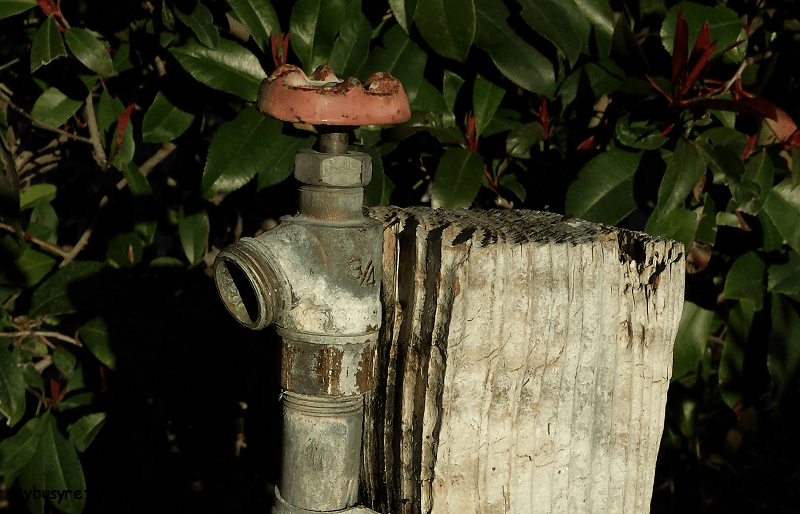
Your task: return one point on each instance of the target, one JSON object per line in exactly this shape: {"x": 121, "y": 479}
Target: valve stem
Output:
{"x": 333, "y": 142}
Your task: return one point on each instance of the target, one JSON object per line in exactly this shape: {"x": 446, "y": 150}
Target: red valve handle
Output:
{"x": 323, "y": 99}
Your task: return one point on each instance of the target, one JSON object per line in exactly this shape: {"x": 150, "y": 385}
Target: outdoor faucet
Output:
{"x": 317, "y": 277}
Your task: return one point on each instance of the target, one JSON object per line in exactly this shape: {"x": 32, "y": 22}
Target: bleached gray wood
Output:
{"x": 523, "y": 365}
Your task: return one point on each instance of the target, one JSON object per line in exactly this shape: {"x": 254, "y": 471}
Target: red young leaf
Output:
{"x": 704, "y": 39}
{"x": 122, "y": 123}
{"x": 680, "y": 47}
{"x": 545, "y": 117}
{"x": 279, "y": 44}
{"x": 49, "y": 7}
{"x": 751, "y": 141}
{"x": 587, "y": 144}
{"x": 55, "y": 389}
{"x": 752, "y": 106}
{"x": 697, "y": 69}
{"x": 472, "y": 136}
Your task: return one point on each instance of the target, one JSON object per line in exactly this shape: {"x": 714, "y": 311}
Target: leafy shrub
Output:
{"x": 131, "y": 153}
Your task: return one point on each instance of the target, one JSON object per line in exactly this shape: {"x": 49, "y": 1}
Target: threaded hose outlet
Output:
{"x": 247, "y": 284}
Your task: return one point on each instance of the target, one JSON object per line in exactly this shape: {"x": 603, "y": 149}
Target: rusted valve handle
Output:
{"x": 323, "y": 99}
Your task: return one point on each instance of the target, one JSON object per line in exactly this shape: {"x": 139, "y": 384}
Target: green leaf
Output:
{"x": 431, "y": 100}
{"x": 601, "y": 17}
{"x": 12, "y": 384}
{"x": 486, "y": 98}
{"x": 521, "y": 139}
{"x": 745, "y": 280}
{"x": 58, "y": 294}
{"x": 639, "y": 134}
{"x": 589, "y": 82}
{"x": 83, "y": 431}
{"x": 504, "y": 120}
{"x": 230, "y": 67}
{"x": 435, "y": 124}
{"x": 707, "y": 224}
{"x": 782, "y": 207}
{"x": 731, "y": 366}
{"x": 682, "y": 174}
{"x": 32, "y": 378}
{"x": 125, "y": 250}
{"x": 64, "y": 360}
{"x": 193, "y": 231}
{"x": 28, "y": 269}
{"x": 17, "y": 450}
{"x": 562, "y": 23}
{"x": 238, "y": 153}
{"x": 511, "y": 183}
{"x": 143, "y": 207}
{"x": 164, "y": 122}
{"x": 11, "y": 7}
{"x": 379, "y": 190}
{"x": 107, "y": 111}
{"x": 457, "y": 179}
{"x": 785, "y": 278}
{"x": 760, "y": 171}
{"x": 47, "y": 44}
{"x": 36, "y": 195}
{"x": 448, "y": 26}
{"x": 400, "y": 57}
{"x": 89, "y": 50}
{"x": 693, "y": 333}
{"x": 44, "y": 222}
{"x": 403, "y": 11}
{"x": 352, "y": 46}
{"x": 516, "y": 59}
{"x": 32, "y": 473}
{"x": 201, "y": 21}
{"x": 122, "y": 59}
{"x": 603, "y": 191}
{"x": 783, "y": 359}
{"x": 313, "y": 25}
{"x": 128, "y": 148}
{"x": 679, "y": 224}
{"x": 451, "y": 85}
{"x": 723, "y": 23}
{"x": 54, "y": 107}
{"x": 94, "y": 336}
{"x": 62, "y": 468}
{"x": 259, "y": 17}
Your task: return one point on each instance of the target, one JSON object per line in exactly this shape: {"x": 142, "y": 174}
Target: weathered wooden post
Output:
{"x": 523, "y": 363}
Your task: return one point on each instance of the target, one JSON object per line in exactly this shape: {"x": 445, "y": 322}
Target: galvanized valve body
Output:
{"x": 317, "y": 277}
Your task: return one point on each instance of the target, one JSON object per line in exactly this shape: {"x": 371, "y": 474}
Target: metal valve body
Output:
{"x": 317, "y": 277}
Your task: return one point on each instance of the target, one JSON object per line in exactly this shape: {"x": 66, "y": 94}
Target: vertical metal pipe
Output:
{"x": 321, "y": 449}
{"x": 333, "y": 142}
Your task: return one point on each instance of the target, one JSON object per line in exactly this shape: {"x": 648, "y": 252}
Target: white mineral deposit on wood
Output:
{"x": 524, "y": 364}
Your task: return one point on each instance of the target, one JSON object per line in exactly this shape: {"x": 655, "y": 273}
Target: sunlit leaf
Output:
{"x": 457, "y": 179}
{"x": 89, "y": 50}
{"x": 83, "y": 431}
{"x": 603, "y": 191}
{"x": 313, "y": 25}
{"x": 12, "y": 7}
{"x": 238, "y": 153}
{"x": 448, "y": 26}
{"x": 54, "y": 107}
{"x": 486, "y": 98}
{"x": 399, "y": 56}
{"x": 36, "y": 194}
{"x": 164, "y": 122}
{"x": 47, "y": 44}
{"x": 352, "y": 46}
{"x": 12, "y": 384}
{"x": 745, "y": 280}
{"x": 259, "y": 17}
{"x": 201, "y": 21}
{"x": 94, "y": 335}
{"x": 782, "y": 206}
{"x": 230, "y": 67}
{"x": 562, "y": 23}
{"x": 193, "y": 231}
{"x": 514, "y": 57}
{"x": 403, "y": 11}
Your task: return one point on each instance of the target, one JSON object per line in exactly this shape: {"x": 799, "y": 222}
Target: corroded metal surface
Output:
{"x": 288, "y": 94}
{"x": 337, "y": 366}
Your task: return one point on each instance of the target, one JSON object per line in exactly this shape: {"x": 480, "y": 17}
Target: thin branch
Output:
{"x": 155, "y": 160}
{"x": 147, "y": 167}
{"x": 42, "y": 124}
{"x": 35, "y": 240}
{"x": 12, "y": 62}
{"x": 94, "y": 132}
{"x": 744, "y": 64}
{"x": 41, "y": 333}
